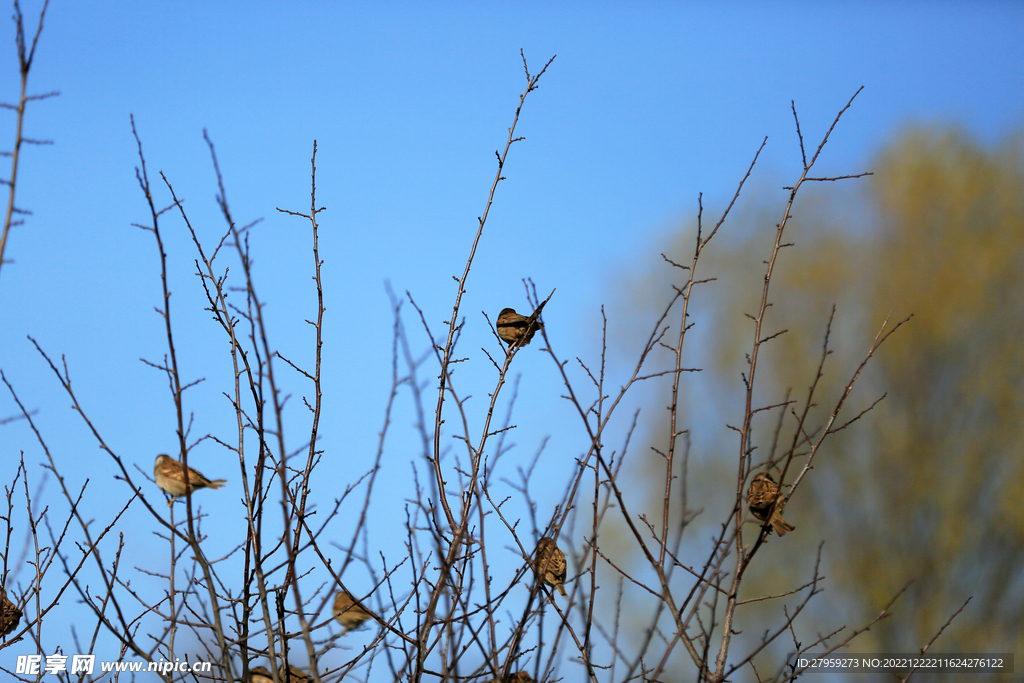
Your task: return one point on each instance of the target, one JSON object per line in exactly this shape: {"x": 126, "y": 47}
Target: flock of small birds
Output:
{"x": 765, "y": 501}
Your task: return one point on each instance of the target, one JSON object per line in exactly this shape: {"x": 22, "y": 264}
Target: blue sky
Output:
{"x": 645, "y": 106}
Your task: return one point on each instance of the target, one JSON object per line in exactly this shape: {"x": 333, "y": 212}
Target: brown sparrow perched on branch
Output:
{"x": 767, "y": 503}
{"x": 549, "y": 564}
{"x": 347, "y": 612}
{"x": 10, "y": 615}
{"x": 170, "y": 477}
{"x": 261, "y": 674}
{"x": 518, "y": 677}
{"x": 515, "y": 328}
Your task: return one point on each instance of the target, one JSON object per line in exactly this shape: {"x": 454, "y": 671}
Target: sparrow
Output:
{"x": 261, "y": 674}
{"x": 549, "y": 564}
{"x": 518, "y": 677}
{"x": 514, "y": 328}
{"x": 347, "y": 612}
{"x": 767, "y": 503}
{"x": 170, "y": 477}
{"x": 10, "y": 615}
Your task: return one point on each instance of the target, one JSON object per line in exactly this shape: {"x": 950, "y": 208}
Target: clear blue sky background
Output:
{"x": 647, "y": 105}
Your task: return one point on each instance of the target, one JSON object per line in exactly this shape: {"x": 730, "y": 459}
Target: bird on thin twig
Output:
{"x": 10, "y": 615}
{"x": 518, "y": 329}
{"x": 261, "y": 674}
{"x": 518, "y": 677}
{"x": 347, "y": 612}
{"x": 170, "y": 477}
{"x": 549, "y": 564}
{"x": 767, "y": 503}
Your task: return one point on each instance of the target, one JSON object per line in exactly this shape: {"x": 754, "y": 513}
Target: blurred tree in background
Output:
{"x": 945, "y": 458}
{"x": 930, "y": 485}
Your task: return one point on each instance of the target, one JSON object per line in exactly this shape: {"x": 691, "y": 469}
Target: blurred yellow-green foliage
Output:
{"x": 928, "y": 486}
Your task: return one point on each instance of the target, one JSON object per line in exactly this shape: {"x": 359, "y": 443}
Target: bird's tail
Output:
{"x": 531, "y": 322}
{"x": 781, "y": 526}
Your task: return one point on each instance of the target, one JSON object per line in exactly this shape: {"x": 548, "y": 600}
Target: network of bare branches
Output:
{"x": 478, "y": 594}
